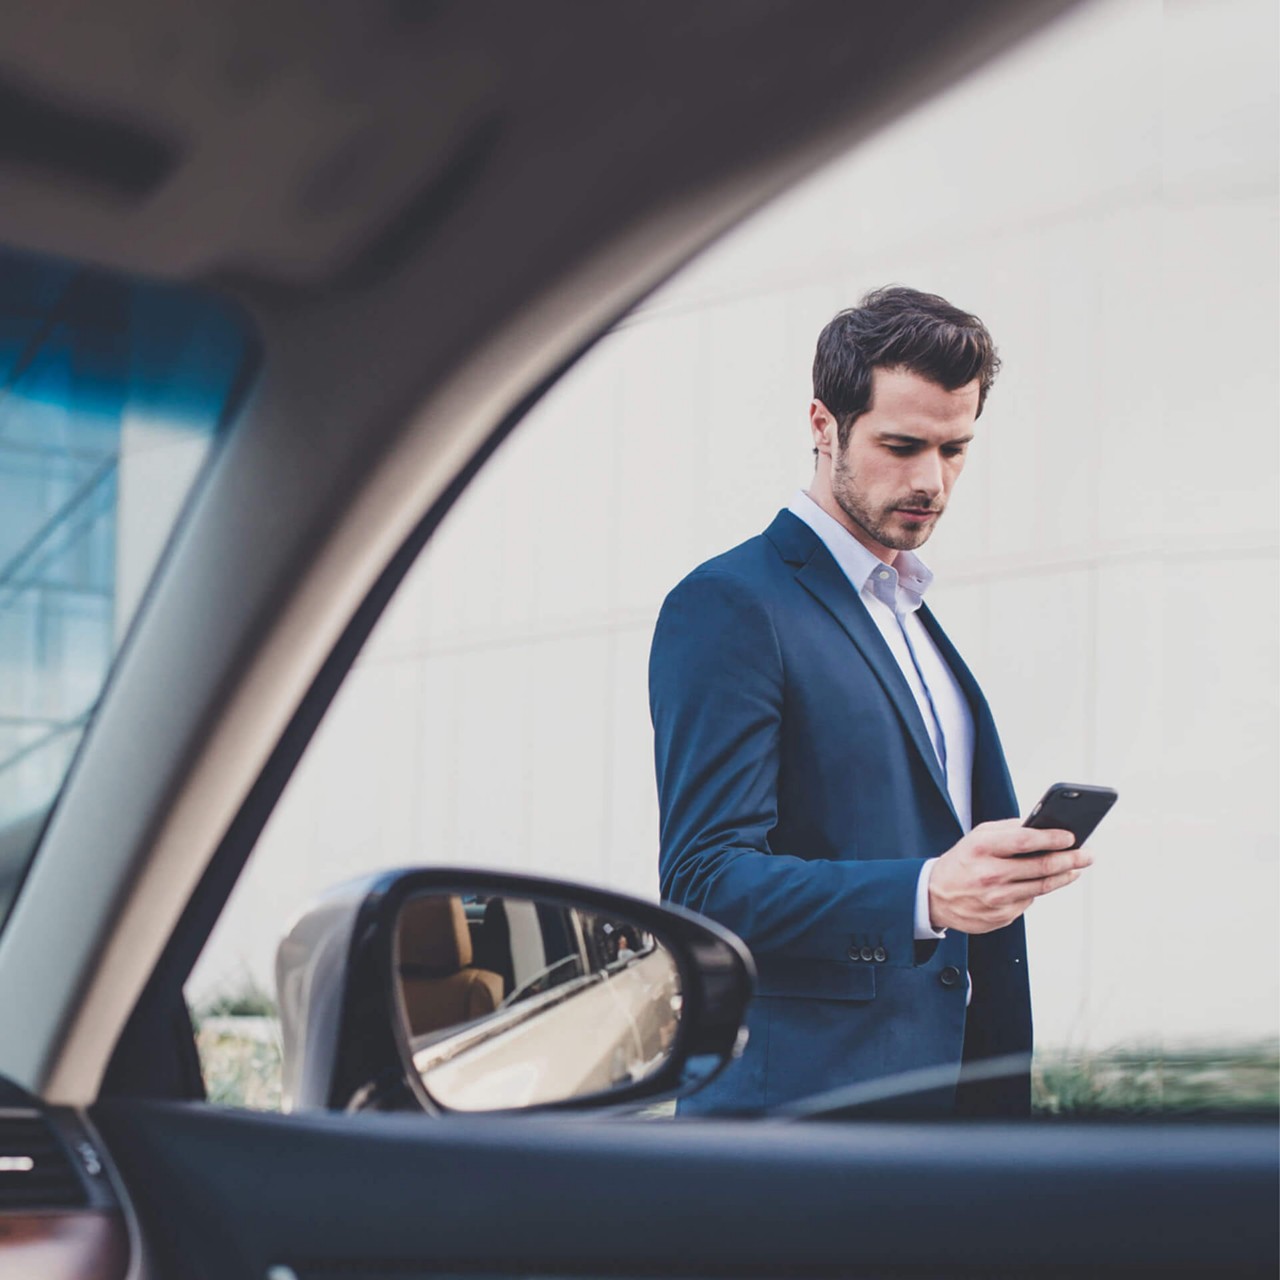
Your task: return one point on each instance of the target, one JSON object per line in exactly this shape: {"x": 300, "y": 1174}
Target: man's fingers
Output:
{"x": 1049, "y": 864}
{"x": 1032, "y": 840}
{"x": 1010, "y": 840}
{"x": 1050, "y": 883}
{"x": 1022, "y": 893}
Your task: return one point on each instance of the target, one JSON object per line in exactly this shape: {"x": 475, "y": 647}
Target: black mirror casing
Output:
{"x": 372, "y": 1062}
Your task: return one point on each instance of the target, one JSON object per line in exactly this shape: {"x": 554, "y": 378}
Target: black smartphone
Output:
{"x": 1074, "y": 807}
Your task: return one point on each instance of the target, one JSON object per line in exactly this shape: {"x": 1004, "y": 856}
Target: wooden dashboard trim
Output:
{"x": 66, "y": 1245}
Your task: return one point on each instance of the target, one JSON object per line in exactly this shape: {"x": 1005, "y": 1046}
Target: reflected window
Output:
{"x": 111, "y": 393}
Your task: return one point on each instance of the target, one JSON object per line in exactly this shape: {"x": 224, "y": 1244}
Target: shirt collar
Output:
{"x": 909, "y": 573}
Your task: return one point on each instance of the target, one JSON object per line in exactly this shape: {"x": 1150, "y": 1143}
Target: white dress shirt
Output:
{"x": 893, "y": 595}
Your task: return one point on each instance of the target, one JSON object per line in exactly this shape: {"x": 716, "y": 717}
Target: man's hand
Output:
{"x": 980, "y": 884}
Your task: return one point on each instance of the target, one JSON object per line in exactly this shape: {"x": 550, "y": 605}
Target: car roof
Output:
{"x": 427, "y": 211}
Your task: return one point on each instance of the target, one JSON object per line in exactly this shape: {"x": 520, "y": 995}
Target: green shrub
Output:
{"x": 241, "y": 1070}
{"x": 241, "y": 1064}
{"x": 247, "y": 999}
{"x": 1145, "y": 1081}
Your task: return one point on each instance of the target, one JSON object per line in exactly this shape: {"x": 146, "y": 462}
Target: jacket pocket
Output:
{"x": 794, "y": 979}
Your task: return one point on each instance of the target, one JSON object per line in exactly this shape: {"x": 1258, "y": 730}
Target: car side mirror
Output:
{"x": 479, "y": 991}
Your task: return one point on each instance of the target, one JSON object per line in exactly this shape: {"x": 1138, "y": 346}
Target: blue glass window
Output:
{"x": 111, "y": 393}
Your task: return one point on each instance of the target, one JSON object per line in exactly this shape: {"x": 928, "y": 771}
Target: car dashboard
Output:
{"x": 62, "y": 1212}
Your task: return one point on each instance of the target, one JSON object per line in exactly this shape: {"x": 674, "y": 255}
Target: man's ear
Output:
{"x": 823, "y": 425}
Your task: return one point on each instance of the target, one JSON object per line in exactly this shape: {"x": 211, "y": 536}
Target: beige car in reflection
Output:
{"x": 539, "y": 1002}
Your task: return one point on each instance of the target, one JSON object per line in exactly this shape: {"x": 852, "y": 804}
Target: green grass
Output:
{"x": 238, "y": 1040}
{"x": 242, "y": 1068}
{"x": 1154, "y": 1082}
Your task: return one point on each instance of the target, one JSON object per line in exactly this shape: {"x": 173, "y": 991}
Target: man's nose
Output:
{"x": 926, "y": 475}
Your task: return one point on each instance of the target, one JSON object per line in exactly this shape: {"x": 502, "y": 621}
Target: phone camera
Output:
{"x": 1071, "y": 795}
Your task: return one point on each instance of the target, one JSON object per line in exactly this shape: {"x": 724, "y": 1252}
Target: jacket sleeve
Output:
{"x": 717, "y": 692}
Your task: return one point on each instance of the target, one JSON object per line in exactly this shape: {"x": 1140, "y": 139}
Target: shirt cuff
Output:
{"x": 924, "y": 930}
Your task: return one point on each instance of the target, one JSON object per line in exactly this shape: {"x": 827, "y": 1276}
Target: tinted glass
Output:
{"x": 111, "y": 393}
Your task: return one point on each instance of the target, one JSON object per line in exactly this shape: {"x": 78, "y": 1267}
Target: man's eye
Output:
{"x": 954, "y": 452}
{"x": 901, "y": 450}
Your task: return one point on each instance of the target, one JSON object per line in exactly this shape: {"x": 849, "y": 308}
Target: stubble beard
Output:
{"x": 876, "y": 523}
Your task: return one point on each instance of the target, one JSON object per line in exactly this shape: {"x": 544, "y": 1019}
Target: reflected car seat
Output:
{"x": 440, "y": 987}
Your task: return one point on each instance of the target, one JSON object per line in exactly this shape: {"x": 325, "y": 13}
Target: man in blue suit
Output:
{"x": 830, "y": 780}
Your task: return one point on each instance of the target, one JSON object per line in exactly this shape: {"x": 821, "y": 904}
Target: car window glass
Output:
{"x": 1107, "y": 567}
{"x": 112, "y": 391}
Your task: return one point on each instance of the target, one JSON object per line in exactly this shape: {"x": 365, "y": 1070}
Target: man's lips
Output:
{"x": 918, "y": 514}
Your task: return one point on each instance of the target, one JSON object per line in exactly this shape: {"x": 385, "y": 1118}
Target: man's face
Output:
{"x": 892, "y": 481}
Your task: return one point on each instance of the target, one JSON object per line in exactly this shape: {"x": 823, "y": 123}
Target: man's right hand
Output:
{"x": 980, "y": 884}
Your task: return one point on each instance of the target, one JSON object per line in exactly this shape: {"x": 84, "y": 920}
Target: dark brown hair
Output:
{"x": 899, "y": 328}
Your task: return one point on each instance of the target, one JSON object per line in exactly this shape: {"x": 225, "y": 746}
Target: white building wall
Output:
{"x": 1106, "y": 199}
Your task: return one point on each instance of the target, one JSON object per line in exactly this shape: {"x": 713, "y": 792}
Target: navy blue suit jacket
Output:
{"x": 799, "y": 796}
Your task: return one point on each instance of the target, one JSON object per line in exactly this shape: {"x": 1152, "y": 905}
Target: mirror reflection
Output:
{"x": 515, "y": 1002}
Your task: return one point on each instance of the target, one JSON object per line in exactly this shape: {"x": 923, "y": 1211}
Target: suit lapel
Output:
{"x": 818, "y": 573}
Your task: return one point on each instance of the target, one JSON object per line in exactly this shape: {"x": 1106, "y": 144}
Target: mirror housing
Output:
{"x": 345, "y": 1038}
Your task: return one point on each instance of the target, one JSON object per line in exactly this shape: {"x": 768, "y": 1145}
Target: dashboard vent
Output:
{"x": 35, "y": 1169}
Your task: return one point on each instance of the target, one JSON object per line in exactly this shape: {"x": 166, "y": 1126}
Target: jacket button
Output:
{"x": 854, "y": 953}
{"x": 881, "y": 955}
{"x": 949, "y": 976}
{"x": 868, "y": 954}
